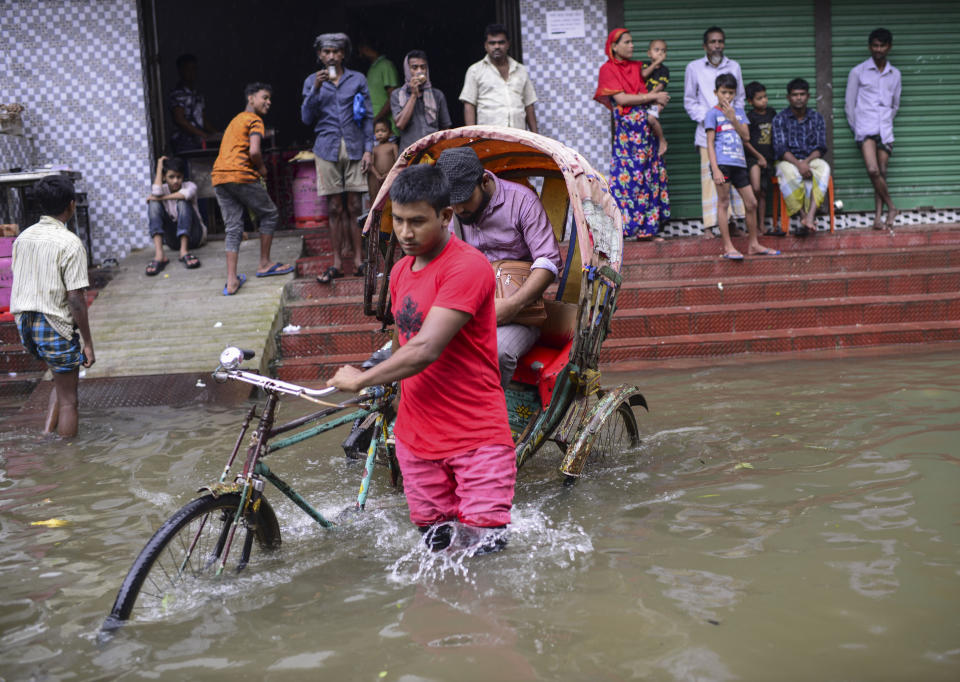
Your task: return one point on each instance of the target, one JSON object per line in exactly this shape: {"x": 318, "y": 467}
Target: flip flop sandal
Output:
{"x": 226, "y": 287}
{"x": 154, "y": 267}
{"x": 276, "y": 269}
{"x": 733, "y": 256}
{"x": 329, "y": 275}
{"x": 190, "y": 261}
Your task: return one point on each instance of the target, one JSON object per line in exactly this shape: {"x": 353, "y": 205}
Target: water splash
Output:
{"x": 536, "y": 545}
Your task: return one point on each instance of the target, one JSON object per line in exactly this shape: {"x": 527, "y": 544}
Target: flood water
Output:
{"x": 787, "y": 521}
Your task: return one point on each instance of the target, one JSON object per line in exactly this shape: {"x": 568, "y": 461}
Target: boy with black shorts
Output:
{"x": 726, "y": 130}
{"x": 760, "y": 148}
{"x": 49, "y": 301}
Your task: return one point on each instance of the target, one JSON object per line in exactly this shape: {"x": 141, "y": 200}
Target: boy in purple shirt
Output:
{"x": 726, "y": 130}
{"x": 871, "y": 103}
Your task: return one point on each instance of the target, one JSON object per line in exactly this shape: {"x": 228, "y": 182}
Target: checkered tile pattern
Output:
{"x": 76, "y": 66}
{"x": 564, "y": 73}
{"x": 842, "y": 221}
{"x": 16, "y": 151}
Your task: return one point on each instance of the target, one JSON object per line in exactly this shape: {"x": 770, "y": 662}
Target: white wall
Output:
{"x": 76, "y": 66}
{"x": 564, "y": 72}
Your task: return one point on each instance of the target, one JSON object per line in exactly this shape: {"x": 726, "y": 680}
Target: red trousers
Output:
{"x": 474, "y": 487}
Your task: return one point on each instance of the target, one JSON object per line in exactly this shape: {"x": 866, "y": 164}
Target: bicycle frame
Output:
{"x": 249, "y": 482}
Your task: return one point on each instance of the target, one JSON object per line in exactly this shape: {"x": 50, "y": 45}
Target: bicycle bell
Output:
{"x": 231, "y": 357}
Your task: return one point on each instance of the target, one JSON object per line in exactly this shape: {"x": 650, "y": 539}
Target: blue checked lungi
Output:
{"x": 44, "y": 342}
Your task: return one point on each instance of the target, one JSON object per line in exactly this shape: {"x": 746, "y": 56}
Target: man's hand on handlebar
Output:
{"x": 347, "y": 379}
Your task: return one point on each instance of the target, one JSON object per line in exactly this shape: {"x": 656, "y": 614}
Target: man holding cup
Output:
{"x": 336, "y": 103}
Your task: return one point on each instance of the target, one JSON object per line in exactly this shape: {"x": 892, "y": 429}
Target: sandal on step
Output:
{"x": 329, "y": 275}
{"x": 190, "y": 261}
{"x": 155, "y": 266}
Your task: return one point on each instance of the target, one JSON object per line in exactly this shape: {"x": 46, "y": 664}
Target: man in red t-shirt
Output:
{"x": 452, "y": 435}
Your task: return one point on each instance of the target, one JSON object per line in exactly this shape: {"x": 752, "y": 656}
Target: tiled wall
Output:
{"x": 76, "y": 66}
{"x": 564, "y": 72}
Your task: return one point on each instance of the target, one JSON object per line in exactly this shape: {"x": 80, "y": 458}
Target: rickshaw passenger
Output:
{"x": 442, "y": 294}
{"x": 504, "y": 220}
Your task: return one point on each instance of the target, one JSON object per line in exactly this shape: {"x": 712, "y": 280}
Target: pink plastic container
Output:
{"x": 309, "y": 210}
{"x": 6, "y": 246}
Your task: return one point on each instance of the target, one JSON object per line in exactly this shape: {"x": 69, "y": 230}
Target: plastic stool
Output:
{"x": 780, "y": 206}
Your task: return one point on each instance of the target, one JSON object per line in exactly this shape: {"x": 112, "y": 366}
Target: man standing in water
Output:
{"x": 49, "y": 299}
{"x": 445, "y": 353}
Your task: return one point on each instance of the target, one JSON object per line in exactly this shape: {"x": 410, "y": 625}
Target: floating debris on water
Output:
{"x": 50, "y": 523}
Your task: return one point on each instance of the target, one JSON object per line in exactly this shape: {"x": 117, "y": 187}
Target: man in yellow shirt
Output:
{"x": 49, "y": 302}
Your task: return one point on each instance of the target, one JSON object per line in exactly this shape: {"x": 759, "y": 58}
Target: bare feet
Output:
{"x": 891, "y": 217}
{"x": 708, "y": 233}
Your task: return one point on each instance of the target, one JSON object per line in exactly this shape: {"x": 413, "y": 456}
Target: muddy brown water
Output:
{"x": 792, "y": 521}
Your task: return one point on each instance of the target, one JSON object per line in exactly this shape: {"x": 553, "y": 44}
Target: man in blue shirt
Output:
{"x": 799, "y": 145}
{"x": 336, "y": 103}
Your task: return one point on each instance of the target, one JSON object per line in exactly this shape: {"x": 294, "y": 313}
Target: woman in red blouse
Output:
{"x": 638, "y": 178}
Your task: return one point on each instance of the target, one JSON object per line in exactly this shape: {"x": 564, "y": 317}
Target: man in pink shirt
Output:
{"x": 504, "y": 220}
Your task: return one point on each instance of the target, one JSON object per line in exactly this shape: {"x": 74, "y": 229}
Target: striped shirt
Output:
{"x": 48, "y": 261}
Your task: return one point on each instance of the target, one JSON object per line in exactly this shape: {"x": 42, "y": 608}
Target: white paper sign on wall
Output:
{"x": 566, "y": 23}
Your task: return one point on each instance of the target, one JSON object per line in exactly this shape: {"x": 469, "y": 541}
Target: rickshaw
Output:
{"x": 555, "y": 394}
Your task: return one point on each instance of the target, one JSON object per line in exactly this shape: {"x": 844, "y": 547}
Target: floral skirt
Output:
{"x": 638, "y": 177}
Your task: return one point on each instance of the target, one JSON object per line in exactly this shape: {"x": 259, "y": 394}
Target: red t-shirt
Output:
{"x": 456, "y": 404}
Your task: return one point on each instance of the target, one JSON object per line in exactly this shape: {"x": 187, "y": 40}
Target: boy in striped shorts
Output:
{"x": 48, "y": 299}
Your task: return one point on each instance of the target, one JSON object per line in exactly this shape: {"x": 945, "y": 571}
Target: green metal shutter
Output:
{"x": 925, "y": 166}
{"x": 772, "y": 44}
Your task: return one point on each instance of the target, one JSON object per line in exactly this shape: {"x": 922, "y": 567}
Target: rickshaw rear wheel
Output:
{"x": 607, "y": 432}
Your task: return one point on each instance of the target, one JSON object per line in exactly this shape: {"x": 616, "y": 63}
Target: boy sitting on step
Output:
{"x": 173, "y": 216}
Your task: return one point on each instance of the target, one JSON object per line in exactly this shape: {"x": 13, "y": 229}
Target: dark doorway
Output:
{"x": 273, "y": 42}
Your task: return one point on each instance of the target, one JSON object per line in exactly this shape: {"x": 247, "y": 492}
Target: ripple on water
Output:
{"x": 674, "y": 562}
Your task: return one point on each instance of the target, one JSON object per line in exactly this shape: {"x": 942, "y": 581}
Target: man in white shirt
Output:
{"x": 497, "y": 89}
{"x": 699, "y": 86}
{"x": 871, "y": 103}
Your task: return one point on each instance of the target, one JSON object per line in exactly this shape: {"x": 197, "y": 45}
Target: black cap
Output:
{"x": 463, "y": 170}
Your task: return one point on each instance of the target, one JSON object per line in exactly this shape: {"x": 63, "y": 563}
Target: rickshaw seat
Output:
{"x": 541, "y": 365}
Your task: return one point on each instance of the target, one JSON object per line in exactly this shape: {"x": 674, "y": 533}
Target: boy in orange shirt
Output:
{"x": 236, "y": 177}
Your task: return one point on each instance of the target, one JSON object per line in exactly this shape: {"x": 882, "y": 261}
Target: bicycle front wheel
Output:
{"x": 189, "y": 548}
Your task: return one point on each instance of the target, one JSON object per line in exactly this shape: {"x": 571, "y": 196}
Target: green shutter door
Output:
{"x": 772, "y": 44}
{"x": 925, "y": 166}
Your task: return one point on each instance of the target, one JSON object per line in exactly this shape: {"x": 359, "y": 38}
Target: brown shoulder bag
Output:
{"x": 510, "y": 276}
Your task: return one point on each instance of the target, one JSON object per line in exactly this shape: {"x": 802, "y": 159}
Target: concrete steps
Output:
{"x": 620, "y": 354}
{"x": 680, "y": 299}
